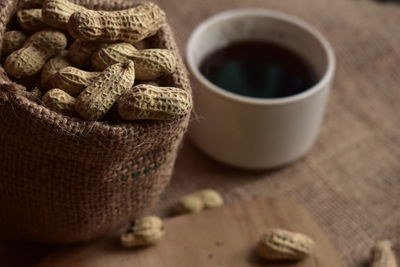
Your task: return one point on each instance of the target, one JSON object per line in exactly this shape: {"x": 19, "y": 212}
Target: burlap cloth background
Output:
{"x": 351, "y": 179}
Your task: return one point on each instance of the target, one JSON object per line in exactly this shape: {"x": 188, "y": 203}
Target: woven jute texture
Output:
{"x": 350, "y": 180}
{"x": 63, "y": 179}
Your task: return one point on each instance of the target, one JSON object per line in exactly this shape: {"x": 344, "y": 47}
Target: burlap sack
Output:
{"x": 65, "y": 180}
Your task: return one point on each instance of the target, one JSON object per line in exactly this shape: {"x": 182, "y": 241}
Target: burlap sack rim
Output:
{"x": 74, "y": 125}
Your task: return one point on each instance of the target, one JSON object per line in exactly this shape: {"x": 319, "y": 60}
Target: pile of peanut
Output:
{"x": 81, "y": 62}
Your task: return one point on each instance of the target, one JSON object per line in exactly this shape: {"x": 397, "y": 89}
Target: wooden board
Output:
{"x": 223, "y": 237}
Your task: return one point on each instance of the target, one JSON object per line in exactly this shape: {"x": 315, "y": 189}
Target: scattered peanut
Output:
{"x": 73, "y": 80}
{"x": 30, "y": 59}
{"x": 31, "y": 20}
{"x": 199, "y": 200}
{"x": 144, "y": 232}
{"x": 13, "y": 40}
{"x": 51, "y": 68}
{"x": 150, "y": 102}
{"x": 279, "y": 244}
{"x": 59, "y": 101}
{"x": 100, "y": 95}
{"x": 189, "y": 204}
{"x": 149, "y": 63}
{"x": 211, "y": 198}
{"x": 130, "y": 25}
{"x": 56, "y": 13}
{"x": 383, "y": 255}
{"x": 81, "y": 51}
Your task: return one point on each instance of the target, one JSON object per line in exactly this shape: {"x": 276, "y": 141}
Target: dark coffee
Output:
{"x": 258, "y": 69}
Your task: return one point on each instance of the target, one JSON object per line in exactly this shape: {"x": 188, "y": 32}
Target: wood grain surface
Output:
{"x": 220, "y": 237}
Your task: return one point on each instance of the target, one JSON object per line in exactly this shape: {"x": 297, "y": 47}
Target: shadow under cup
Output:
{"x": 258, "y": 133}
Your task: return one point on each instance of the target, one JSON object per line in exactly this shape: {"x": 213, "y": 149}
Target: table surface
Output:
{"x": 218, "y": 243}
{"x": 350, "y": 181}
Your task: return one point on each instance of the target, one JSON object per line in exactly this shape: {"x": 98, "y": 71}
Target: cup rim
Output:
{"x": 226, "y": 15}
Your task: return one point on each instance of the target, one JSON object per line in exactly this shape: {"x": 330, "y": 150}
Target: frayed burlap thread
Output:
{"x": 67, "y": 180}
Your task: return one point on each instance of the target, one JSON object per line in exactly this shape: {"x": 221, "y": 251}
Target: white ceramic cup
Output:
{"x": 258, "y": 133}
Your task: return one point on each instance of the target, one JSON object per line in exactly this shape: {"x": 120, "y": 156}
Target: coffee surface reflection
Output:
{"x": 258, "y": 69}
